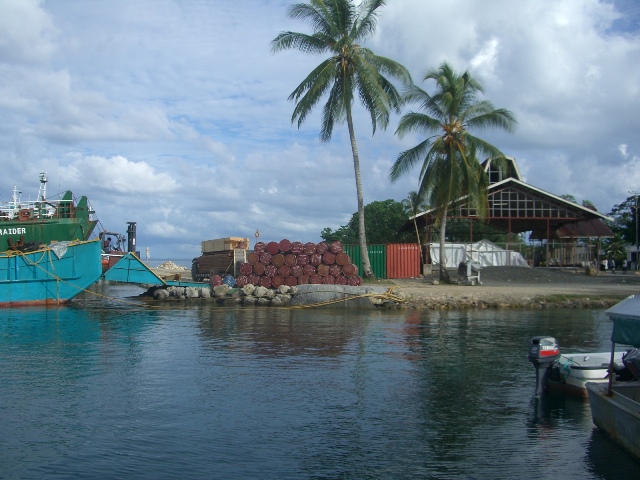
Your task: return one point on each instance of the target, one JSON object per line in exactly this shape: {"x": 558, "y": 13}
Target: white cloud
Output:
{"x": 176, "y": 115}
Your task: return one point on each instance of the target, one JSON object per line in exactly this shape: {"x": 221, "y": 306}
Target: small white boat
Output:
{"x": 615, "y": 406}
{"x": 571, "y": 372}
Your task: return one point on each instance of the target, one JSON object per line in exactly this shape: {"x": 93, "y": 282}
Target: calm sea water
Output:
{"x": 113, "y": 390}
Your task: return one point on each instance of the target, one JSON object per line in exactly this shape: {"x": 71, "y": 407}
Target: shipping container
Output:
{"x": 403, "y": 260}
{"x": 377, "y": 258}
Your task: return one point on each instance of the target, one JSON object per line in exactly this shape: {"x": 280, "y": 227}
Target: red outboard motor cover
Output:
{"x": 543, "y": 350}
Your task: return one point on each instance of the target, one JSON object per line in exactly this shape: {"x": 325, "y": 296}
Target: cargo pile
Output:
{"x": 221, "y": 256}
{"x": 273, "y": 264}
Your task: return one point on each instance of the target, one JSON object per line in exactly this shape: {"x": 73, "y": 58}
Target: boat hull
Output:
{"x": 571, "y": 372}
{"x": 617, "y": 415}
{"x": 49, "y": 276}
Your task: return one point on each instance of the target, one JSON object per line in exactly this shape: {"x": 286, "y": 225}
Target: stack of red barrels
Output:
{"x": 294, "y": 263}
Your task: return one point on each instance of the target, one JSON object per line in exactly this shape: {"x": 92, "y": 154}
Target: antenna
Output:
{"x": 42, "y": 193}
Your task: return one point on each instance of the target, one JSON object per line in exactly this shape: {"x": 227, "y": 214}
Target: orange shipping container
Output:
{"x": 403, "y": 260}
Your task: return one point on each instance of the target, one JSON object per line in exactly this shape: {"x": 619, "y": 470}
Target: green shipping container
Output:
{"x": 377, "y": 258}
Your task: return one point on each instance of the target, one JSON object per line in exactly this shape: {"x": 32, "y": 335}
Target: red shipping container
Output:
{"x": 403, "y": 260}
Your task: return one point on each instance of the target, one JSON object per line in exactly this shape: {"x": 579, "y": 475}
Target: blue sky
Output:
{"x": 174, "y": 114}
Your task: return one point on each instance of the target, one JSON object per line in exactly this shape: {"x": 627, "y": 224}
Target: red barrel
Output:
{"x": 302, "y": 260}
{"x": 329, "y": 280}
{"x": 308, "y": 270}
{"x": 242, "y": 280}
{"x": 303, "y": 279}
{"x": 273, "y": 248}
{"x": 355, "y": 281}
{"x": 246, "y": 269}
{"x": 265, "y": 258}
{"x": 290, "y": 259}
{"x": 329, "y": 258}
{"x": 297, "y": 248}
{"x": 270, "y": 270}
{"x": 322, "y": 247}
{"x": 217, "y": 280}
{"x": 277, "y": 281}
{"x": 342, "y": 258}
{"x": 265, "y": 282}
{"x": 323, "y": 269}
{"x": 278, "y": 260}
{"x": 315, "y": 279}
{"x": 259, "y": 247}
{"x": 336, "y": 247}
{"x": 349, "y": 269}
{"x": 284, "y": 246}
{"x": 342, "y": 280}
{"x": 296, "y": 271}
{"x": 309, "y": 248}
{"x": 254, "y": 279}
{"x": 335, "y": 270}
{"x": 284, "y": 271}
{"x": 291, "y": 281}
{"x": 253, "y": 258}
{"x": 315, "y": 259}
{"x": 258, "y": 269}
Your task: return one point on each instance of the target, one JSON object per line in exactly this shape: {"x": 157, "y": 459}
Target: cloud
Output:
{"x": 175, "y": 115}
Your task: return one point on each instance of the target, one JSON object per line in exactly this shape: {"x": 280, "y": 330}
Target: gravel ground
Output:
{"x": 522, "y": 287}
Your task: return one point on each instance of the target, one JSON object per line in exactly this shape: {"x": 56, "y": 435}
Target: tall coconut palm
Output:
{"x": 413, "y": 204}
{"x": 350, "y": 70}
{"x": 450, "y": 166}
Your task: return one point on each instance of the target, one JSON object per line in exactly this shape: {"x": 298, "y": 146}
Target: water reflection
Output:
{"x": 280, "y": 332}
{"x": 184, "y": 391}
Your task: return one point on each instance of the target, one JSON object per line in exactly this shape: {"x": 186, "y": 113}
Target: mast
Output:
{"x": 42, "y": 192}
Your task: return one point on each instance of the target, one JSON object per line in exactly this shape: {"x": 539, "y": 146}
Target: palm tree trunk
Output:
{"x": 444, "y": 274}
{"x": 415, "y": 224}
{"x": 362, "y": 237}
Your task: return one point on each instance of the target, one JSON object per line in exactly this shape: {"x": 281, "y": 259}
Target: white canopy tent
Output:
{"x": 483, "y": 253}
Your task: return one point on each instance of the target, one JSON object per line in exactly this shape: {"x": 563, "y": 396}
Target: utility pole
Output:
{"x": 635, "y": 195}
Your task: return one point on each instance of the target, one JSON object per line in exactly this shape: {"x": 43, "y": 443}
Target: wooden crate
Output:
{"x": 225, "y": 244}
{"x": 221, "y": 263}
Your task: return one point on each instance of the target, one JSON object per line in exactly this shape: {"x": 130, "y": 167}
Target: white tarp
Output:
{"x": 484, "y": 253}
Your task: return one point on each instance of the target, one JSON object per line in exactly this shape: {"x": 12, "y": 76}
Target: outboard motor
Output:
{"x": 542, "y": 353}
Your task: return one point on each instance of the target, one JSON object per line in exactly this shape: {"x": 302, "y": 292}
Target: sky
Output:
{"x": 175, "y": 114}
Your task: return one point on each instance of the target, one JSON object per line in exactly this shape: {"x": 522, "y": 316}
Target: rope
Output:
{"x": 58, "y": 280}
{"x": 388, "y": 295}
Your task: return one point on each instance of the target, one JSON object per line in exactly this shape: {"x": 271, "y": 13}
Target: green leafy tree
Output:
{"x": 384, "y": 221}
{"x": 616, "y": 249}
{"x": 449, "y": 154}
{"x": 625, "y": 223}
{"x": 569, "y": 197}
{"x": 350, "y": 71}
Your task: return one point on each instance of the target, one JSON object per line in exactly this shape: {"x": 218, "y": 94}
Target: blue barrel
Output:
{"x": 229, "y": 280}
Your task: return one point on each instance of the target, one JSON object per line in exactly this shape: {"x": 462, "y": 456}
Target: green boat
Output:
{"x": 26, "y": 225}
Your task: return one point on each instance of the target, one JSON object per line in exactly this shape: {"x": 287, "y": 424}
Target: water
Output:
{"x": 110, "y": 389}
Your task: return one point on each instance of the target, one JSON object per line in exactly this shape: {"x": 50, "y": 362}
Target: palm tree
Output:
{"x": 350, "y": 70}
{"x": 450, "y": 166}
{"x": 413, "y": 204}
